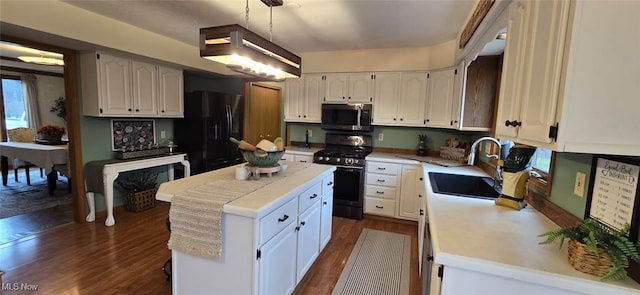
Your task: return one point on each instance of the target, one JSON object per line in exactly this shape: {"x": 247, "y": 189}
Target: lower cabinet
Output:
{"x": 393, "y": 190}
{"x": 298, "y": 157}
{"x": 308, "y": 240}
{"x": 277, "y": 267}
{"x": 266, "y": 255}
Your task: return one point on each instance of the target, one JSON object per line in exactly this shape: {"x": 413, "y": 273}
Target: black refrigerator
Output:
{"x": 210, "y": 118}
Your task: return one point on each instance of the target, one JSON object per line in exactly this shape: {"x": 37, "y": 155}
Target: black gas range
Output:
{"x": 347, "y": 153}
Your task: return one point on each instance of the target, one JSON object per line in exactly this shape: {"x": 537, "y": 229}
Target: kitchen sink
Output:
{"x": 463, "y": 185}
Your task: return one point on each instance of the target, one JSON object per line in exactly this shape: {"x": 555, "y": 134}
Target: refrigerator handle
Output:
{"x": 229, "y": 119}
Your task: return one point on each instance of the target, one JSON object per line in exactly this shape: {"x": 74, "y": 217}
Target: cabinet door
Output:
{"x": 326, "y": 211}
{"x": 547, "y": 26}
{"x": 413, "y": 96}
{"x": 440, "y": 98}
{"x": 145, "y": 89}
{"x": 293, "y": 99}
{"x": 385, "y": 98}
{"x": 509, "y": 103}
{"x": 360, "y": 88}
{"x": 115, "y": 85}
{"x": 336, "y": 88}
{"x": 409, "y": 200}
{"x": 458, "y": 95}
{"x": 313, "y": 96}
{"x": 277, "y": 263}
{"x": 171, "y": 102}
{"x": 308, "y": 240}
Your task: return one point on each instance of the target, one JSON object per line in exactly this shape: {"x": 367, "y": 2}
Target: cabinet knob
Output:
{"x": 302, "y": 223}
{"x": 401, "y": 119}
{"x": 162, "y": 111}
{"x": 349, "y": 97}
{"x": 330, "y": 183}
{"x": 285, "y": 217}
{"x": 129, "y": 110}
{"x": 137, "y": 110}
{"x": 380, "y": 180}
{"x": 324, "y": 203}
{"x": 343, "y": 97}
{"x": 313, "y": 196}
{"x": 394, "y": 119}
{"x": 427, "y": 120}
{"x": 379, "y": 192}
{"x": 379, "y": 207}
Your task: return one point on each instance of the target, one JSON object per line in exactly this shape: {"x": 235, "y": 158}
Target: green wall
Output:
{"x": 393, "y": 137}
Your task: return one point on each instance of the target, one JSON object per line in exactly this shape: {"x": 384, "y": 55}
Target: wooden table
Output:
{"x": 43, "y": 156}
{"x": 110, "y": 169}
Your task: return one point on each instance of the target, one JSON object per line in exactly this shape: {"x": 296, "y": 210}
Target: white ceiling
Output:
{"x": 299, "y": 25}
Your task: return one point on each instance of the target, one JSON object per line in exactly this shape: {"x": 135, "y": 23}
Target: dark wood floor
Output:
{"x": 89, "y": 258}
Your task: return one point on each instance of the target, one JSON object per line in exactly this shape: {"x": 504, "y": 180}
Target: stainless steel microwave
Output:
{"x": 353, "y": 116}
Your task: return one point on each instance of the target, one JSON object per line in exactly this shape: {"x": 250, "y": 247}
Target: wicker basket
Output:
{"x": 583, "y": 259}
{"x": 140, "y": 201}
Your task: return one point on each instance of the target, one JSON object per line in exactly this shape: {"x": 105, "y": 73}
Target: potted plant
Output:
{"x": 59, "y": 108}
{"x": 140, "y": 190}
{"x": 597, "y": 249}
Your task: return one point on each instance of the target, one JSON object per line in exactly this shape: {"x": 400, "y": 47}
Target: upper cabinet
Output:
{"x": 120, "y": 87}
{"x": 303, "y": 98}
{"x": 569, "y": 76}
{"x": 475, "y": 92}
{"x": 440, "y": 98}
{"x": 349, "y": 88}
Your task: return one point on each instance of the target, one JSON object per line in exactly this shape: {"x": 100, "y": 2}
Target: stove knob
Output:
{"x": 357, "y": 161}
{"x": 337, "y": 160}
{"x": 319, "y": 158}
{"x": 348, "y": 161}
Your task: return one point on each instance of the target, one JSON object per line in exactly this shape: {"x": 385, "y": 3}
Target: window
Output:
{"x": 14, "y": 104}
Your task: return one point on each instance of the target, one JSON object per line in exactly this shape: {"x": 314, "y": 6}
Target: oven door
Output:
{"x": 348, "y": 188}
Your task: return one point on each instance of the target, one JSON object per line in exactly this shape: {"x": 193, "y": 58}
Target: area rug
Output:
{"x": 378, "y": 265}
{"x": 18, "y": 198}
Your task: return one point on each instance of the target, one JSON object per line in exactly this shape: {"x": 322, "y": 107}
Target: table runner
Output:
{"x": 196, "y": 214}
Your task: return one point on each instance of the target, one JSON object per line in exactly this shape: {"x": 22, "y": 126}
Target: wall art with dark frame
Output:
{"x": 126, "y": 134}
{"x": 614, "y": 197}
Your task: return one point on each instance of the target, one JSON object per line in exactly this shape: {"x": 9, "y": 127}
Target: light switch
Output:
{"x": 162, "y": 134}
{"x": 578, "y": 189}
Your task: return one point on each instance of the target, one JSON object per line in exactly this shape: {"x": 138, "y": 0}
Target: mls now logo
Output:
{"x": 19, "y": 287}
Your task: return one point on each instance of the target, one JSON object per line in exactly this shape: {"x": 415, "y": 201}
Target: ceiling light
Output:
{"x": 247, "y": 52}
{"x": 47, "y": 61}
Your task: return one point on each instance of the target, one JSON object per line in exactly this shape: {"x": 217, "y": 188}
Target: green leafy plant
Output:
{"x": 599, "y": 236}
{"x": 59, "y": 108}
{"x": 139, "y": 181}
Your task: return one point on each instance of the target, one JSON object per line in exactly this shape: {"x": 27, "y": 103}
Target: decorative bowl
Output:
{"x": 270, "y": 160}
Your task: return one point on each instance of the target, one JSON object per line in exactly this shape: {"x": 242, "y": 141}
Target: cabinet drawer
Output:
{"x": 383, "y": 168}
{"x": 309, "y": 196}
{"x": 304, "y": 159}
{"x": 278, "y": 220}
{"x": 379, "y": 206}
{"x": 382, "y": 180}
{"x": 380, "y": 191}
{"x": 327, "y": 184}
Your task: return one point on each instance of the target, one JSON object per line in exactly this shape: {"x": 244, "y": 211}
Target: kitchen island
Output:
{"x": 495, "y": 250}
{"x": 270, "y": 236}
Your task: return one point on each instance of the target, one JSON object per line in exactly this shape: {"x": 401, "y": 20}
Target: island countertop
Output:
{"x": 255, "y": 204}
{"x": 477, "y": 235}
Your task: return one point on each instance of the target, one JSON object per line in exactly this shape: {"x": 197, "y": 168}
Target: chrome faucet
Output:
{"x": 497, "y": 177}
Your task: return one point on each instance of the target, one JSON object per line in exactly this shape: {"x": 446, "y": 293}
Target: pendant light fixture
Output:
{"x": 247, "y": 52}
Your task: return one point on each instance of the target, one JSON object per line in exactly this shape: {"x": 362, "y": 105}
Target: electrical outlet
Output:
{"x": 310, "y": 132}
{"x": 381, "y": 136}
{"x": 162, "y": 134}
{"x": 578, "y": 189}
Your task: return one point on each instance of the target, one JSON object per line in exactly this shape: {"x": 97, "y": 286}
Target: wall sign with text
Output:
{"x": 613, "y": 196}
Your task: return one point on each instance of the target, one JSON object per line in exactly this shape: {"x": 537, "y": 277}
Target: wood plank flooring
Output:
{"x": 89, "y": 258}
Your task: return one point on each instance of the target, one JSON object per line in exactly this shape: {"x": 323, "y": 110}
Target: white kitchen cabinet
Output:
{"x": 563, "y": 89}
{"x": 297, "y": 156}
{"x": 349, "y": 87}
{"x": 440, "y": 98}
{"x": 145, "y": 88}
{"x": 277, "y": 267}
{"x": 386, "y": 96}
{"x": 381, "y": 188}
{"x": 171, "y": 93}
{"x": 413, "y": 98}
{"x": 308, "y": 247}
{"x": 114, "y": 86}
{"x": 326, "y": 211}
{"x": 410, "y": 192}
{"x": 303, "y": 98}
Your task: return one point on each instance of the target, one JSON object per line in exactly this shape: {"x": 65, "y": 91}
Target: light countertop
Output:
{"x": 259, "y": 202}
{"x": 302, "y": 150}
{"x": 475, "y": 234}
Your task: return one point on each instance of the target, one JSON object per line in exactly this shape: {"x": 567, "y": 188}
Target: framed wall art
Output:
{"x": 132, "y": 133}
{"x": 614, "y": 197}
